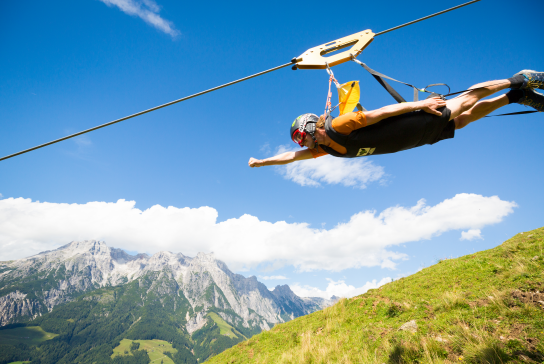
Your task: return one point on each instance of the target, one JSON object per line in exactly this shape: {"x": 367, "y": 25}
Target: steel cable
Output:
{"x": 145, "y": 111}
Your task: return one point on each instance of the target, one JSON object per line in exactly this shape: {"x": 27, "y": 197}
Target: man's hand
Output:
{"x": 255, "y": 162}
{"x": 431, "y": 105}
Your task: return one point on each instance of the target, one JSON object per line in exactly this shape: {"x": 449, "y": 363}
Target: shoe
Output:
{"x": 533, "y": 99}
{"x": 533, "y": 79}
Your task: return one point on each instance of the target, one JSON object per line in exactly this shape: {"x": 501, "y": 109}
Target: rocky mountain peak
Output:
{"x": 283, "y": 291}
{"x": 86, "y": 246}
{"x": 204, "y": 281}
{"x": 120, "y": 256}
{"x": 203, "y": 257}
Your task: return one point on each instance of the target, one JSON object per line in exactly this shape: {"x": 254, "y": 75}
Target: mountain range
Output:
{"x": 189, "y": 297}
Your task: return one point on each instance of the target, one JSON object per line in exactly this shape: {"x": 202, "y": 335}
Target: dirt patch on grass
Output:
{"x": 429, "y": 311}
{"x": 452, "y": 358}
{"x": 363, "y": 301}
{"x": 516, "y": 330}
{"x": 480, "y": 302}
{"x": 384, "y": 333}
{"x": 535, "y": 298}
{"x": 379, "y": 300}
{"x": 532, "y": 343}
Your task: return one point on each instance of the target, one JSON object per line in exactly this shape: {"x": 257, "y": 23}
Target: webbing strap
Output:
{"x": 380, "y": 78}
{"x": 471, "y": 89}
{"x": 331, "y": 74}
{"x": 513, "y": 113}
{"x": 436, "y": 84}
{"x": 328, "y": 104}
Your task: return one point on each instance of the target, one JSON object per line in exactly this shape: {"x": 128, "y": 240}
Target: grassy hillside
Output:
{"x": 224, "y": 327}
{"x": 480, "y": 308}
{"x": 156, "y": 350}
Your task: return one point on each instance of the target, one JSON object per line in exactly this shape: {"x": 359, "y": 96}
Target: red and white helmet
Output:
{"x": 303, "y": 126}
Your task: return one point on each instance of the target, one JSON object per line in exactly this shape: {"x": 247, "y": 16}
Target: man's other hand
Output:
{"x": 255, "y": 162}
{"x": 431, "y": 105}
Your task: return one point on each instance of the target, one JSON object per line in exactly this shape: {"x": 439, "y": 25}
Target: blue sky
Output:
{"x": 68, "y": 66}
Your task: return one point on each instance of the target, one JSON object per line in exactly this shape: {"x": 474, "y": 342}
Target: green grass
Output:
{"x": 19, "y": 362}
{"x": 480, "y": 308}
{"x": 31, "y": 335}
{"x": 155, "y": 349}
{"x": 224, "y": 327}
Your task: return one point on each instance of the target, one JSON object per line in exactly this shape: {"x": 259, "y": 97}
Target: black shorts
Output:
{"x": 405, "y": 131}
{"x": 448, "y": 132}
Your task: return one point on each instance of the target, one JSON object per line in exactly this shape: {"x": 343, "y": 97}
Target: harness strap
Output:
{"x": 380, "y": 78}
{"x": 360, "y": 107}
{"x": 329, "y": 71}
{"x": 328, "y": 104}
{"x": 436, "y": 84}
{"x": 470, "y": 89}
{"x": 490, "y": 116}
{"x": 513, "y": 113}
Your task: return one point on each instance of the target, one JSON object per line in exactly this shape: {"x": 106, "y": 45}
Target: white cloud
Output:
{"x": 471, "y": 234}
{"x": 267, "y": 278}
{"x": 352, "y": 172}
{"x": 27, "y": 227}
{"x": 265, "y": 148}
{"x": 1, "y": 195}
{"x": 338, "y": 289}
{"x": 148, "y": 11}
{"x": 83, "y": 141}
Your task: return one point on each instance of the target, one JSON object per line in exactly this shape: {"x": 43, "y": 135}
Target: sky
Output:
{"x": 177, "y": 179}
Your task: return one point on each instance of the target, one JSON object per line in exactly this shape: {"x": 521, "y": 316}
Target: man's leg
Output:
{"x": 466, "y": 101}
{"x": 526, "y": 80}
{"x": 481, "y": 109}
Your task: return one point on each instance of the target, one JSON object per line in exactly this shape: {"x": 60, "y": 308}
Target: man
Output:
{"x": 404, "y": 126}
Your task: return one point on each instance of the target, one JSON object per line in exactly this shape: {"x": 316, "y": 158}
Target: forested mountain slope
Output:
{"x": 92, "y": 297}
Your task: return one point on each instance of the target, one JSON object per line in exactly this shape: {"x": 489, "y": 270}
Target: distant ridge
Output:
{"x": 81, "y": 266}
{"x": 190, "y": 296}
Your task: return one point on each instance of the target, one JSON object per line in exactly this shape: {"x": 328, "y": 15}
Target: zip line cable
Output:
{"x": 146, "y": 111}
{"x": 212, "y": 89}
{"x": 426, "y": 17}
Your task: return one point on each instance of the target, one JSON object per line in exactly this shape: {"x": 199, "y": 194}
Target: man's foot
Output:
{"x": 533, "y": 99}
{"x": 533, "y": 79}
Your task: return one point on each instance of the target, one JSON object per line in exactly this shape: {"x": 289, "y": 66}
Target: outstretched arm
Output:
{"x": 284, "y": 158}
{"x": 428, "y": 105}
